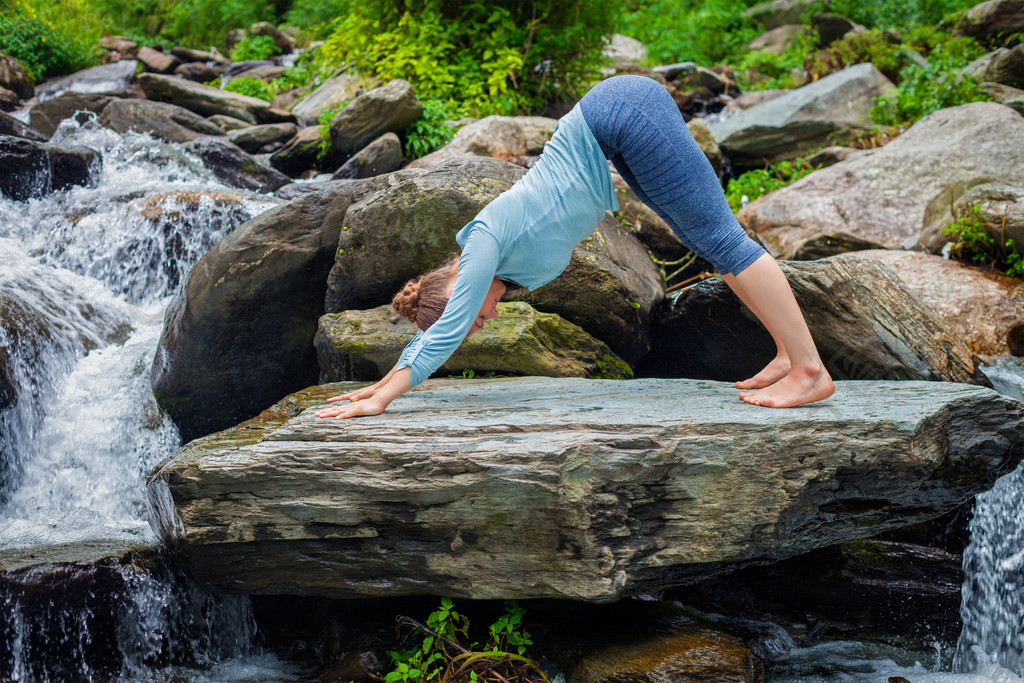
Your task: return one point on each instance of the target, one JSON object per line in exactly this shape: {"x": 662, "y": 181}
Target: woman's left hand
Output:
{"x": 365, "y": 407}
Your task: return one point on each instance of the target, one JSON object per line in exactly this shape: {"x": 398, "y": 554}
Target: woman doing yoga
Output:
{"x": 527, "y": 235}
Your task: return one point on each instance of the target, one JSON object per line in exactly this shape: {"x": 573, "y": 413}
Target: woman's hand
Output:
{"x": 358, "y": 407}
{"x": 357, "y": 395}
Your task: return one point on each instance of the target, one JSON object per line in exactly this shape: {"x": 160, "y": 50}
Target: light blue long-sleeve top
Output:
{"x": 526, "y": 235}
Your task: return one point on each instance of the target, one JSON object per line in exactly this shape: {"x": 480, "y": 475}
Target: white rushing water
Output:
{"x": 85, "y": 275}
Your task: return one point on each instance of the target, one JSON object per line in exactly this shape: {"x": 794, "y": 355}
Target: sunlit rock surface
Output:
{"x": 567, "y": 488}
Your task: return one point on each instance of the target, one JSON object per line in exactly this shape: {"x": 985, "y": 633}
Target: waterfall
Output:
{"x": 992, "y": 606}
{"x": 85, "y": 275}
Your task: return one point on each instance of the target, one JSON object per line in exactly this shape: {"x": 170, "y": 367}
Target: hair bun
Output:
{"x": 406, "y": 302}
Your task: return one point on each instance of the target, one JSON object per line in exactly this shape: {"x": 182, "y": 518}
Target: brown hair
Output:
{"x": 422, "y": 299}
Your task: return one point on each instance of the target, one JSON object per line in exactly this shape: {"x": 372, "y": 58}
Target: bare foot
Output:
{"x": 799, "y": 386}
{"x": 772, "y": 373}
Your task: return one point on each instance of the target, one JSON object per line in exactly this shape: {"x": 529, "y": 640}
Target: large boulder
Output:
{"x": 337, "y": 90}
{"x": 780, "y": 12}
{"x": 642, "y": 221}
{"x": 15, "y": 77}
{"x": 165, "y": 121}
{"x": 300, "y": 154}
{"x": 804, "y": 119}
{"x": 254, "y": 139}
{"x": 12, "y": 126}
{"x": 568, "y": 488}
{"x": 156, "y": 61}
{"x": 233, "y": 167}
{"x": 1004, "y": 66}
{"x": 992, "y": 18}
{"x": 239, "y": 335}
{"x": 866, "y": 323}
{"x": 387, "y": 109}
{"x": 981, "y": 307}
{"x": 106, "y": 78}
{"x": 383, "y": 155}
{"x": 886, "y": 195}
{"x": 364, "y": 345}
{"x": 538, "y": 130}
{"x": 623, "y": 51}
{"x": 409, "y": 227}
{"x": 1004, "y": 94}
{"x": 608, "y": 288}
{"x": 32, "y": 169}
{"x": 207, "y": 100}
{"x": 501, "y": 137}
{"x": 46, "y": 116}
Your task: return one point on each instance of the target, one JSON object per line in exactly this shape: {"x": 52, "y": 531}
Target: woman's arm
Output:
{"x": 370, "y": 400}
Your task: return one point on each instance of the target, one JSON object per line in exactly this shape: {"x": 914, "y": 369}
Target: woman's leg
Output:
{"x": 639, "y": 128}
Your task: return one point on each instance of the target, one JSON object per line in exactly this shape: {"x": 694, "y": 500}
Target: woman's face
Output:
{"x": 490, "y": 308}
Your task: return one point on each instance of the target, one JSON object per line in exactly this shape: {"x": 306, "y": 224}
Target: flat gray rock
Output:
{"x": 567, "y": 488}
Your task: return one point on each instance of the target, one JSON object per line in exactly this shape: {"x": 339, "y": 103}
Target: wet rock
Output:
{"x": 804, "y": 119}
{"x": 779, "y": 12}
{"x": 300, "y": 154}
{"x": 296, "y": 190}
{"x": 31, "y": 169}
{"x": 233, "y": 167}
{"x": 624, "y": 52}
{"x": 866, "y": 323}
{"x": 339, "y": 89}
{"x": 284, "y": 42}
{"x": 165, "y": 121}
{"x": 500, "y": 137}
{"x": 980, "y": 307}
{"x": 12, "y": 126}
{"x": 1004, "y": 94}
{"x": 254, "y": 138}
{"x": 383, "y": 155}
{"x": 778, "y": 39}
{"x": 607, "y": 488}
{"x": 387, "y": 109}
{"x": 992, "y": 18}
{"x": 106, "y": 78}
{"x": 884, "y": 194}
{"x": 239, "y": 335}
{"x": 8, "y": 100}
{"x": 198, "y": 72}
{"x": 207, "y": 100}
{"x": 15, "y": 77}
{"x": 228, "y": 123}
{"x": 156, "y": 61}
{"x": 364, "y": 345}
{"x": 831, "y": 27}
{"x": 46, "y": 116}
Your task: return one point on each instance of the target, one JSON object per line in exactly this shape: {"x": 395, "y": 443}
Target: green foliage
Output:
{"x": 324, "y": 121}
{"x": 442, "y": 656}
{"x": 430, "y": 132}
{"x": 253, "y": 87}
{"x": 763, "y": 70}
{"x": 254, "y": 47}
{"x": 897, "y": 13}
{"x": 316, "y": 17}
{"x": 873, "y": 46}
{"x": 486, "y": 57}
{"x": 759, "y": 182}
{"x": 709, "y": 32}
{"x": 973, "y": 241}
{"x": 193, "y": 23}
{"x": 925, "y": 89}
{"x": 48, "y": 40}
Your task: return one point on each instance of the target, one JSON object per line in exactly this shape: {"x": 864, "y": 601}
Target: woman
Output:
{"x": 526, "y": 236}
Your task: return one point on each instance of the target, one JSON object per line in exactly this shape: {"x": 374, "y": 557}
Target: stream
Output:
{"x": 88, "y": 273}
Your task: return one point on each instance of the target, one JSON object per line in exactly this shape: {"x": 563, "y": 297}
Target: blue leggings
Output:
{"x": 642, "y": 133}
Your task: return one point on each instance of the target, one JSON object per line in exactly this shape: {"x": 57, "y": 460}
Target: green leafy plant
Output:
{"x": 441, "y": 655}
{"x": 324, "y": 121}
{"x": 254, "y": 47}
{"x": 430, "y": 131}
{"x": 708, "y": 32}
{"x": 253, "y": 87}
{"x": 937, "y": 85}
{"x": 193, "y": 23}
{"x": 48, "y": 42}
{"x": 762, "y": 70}
{"x": 316, "y": 17}
{"x": 759, "y": 182}
{"x": 974, "y": 242}
{"x": 874, "y": 46}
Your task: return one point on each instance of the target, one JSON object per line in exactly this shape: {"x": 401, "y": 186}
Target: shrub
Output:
{"x": 253, "y": 87}
{"x": 430, "y": 131}
{"x": 898, "y": 13}
{"x": 47, "y": 41}
{"x": 475, "y": 56}
{"x": 709, "y": 32}
{"x": 759, "y": 182}
{"x": 973, "y": 242}
{"x": 195, "y": 23}
{"x": 762, "y": 70}
{"x": 925, "y": 89}
{"x": 254, "y": 47}
{"x": 874, "y": 46}
{"x": 316, "y": 17}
